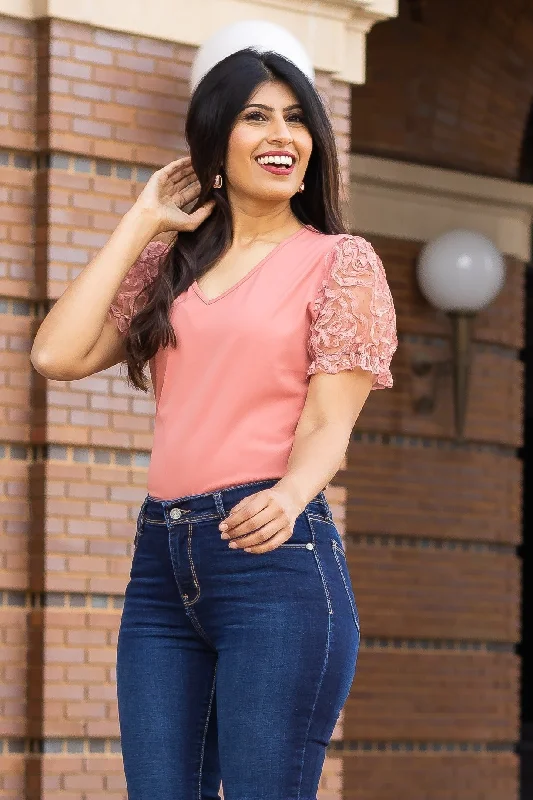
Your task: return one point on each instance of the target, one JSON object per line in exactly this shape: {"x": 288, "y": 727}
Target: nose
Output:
{"x": 279, "y": 131}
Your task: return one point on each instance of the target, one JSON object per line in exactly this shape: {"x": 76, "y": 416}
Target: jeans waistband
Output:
{"x": 219, "y": 501}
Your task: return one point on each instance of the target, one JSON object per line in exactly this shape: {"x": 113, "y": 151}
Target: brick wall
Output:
{"x": 454, "y": 91}
{"x": 89, "y": 114}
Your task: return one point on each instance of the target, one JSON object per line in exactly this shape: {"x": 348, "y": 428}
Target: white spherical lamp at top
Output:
{"x": 259, "y": 34}
{"x": 460, "y": 272}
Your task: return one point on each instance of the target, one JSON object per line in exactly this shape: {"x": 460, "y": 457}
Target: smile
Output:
{"x": 277, "y": 165}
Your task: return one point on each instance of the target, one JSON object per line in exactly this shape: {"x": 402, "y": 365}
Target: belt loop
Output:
{"x": 325, "y": 503}
{"x": 141, "y": 518}
{"x": 219, "y": 504}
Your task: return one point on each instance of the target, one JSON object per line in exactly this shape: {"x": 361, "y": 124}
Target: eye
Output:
{"x": 253, "y": 114}
{"x": 298, "y": 117}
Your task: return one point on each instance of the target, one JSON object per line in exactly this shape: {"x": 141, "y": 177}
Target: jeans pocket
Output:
{"x": 340, "y": 558}
{"x": 302, "y": 534}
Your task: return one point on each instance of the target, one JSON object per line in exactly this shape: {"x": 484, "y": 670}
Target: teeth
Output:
{"x": 287, "y": 161}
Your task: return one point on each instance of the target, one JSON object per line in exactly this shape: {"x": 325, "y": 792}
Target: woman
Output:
{"x": 265, "y": 326}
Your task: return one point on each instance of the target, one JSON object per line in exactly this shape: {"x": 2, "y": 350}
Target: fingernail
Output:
{"x": 232, "y": 544}
{"x": 224, "y": 535}
{"x": 223, "y": 526}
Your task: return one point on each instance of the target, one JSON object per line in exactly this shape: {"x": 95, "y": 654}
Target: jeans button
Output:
{"x": 175, "y": 513}
{"x": 309, "y": 546}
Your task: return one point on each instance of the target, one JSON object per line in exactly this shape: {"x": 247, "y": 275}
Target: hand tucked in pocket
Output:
{"x": 262, "y": 521}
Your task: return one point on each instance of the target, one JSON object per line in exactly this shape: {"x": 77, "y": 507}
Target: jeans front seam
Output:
{"x": 191, "y": 565}
{"x": 205, "y": 732}
{"x": 174, "y": 570}
{"x": 194, "y": 619}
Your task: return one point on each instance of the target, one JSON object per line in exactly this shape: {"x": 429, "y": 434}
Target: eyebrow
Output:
{"x": 269, "y": 108}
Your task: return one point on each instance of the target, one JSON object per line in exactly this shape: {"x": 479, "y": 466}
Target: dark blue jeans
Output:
{"x": 232, "y": 666}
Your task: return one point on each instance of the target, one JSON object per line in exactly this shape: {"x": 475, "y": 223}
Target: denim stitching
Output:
{"x": 217, "y": 495}
{"x": 219, "y": 505}
{"x": 319, "y": 565}
{"x": 191, "y": 564}
{"x": 174, "y": 569}
{"x": 324, "y": 666}
{"x": 340, "y": 548}
{"x": 322, "y": 499}
{"x": 293, "y": 544}
{"x": 199, "y": 518}
{"x": 321, "y": 519}
{"x": 205, "y": 732}
{"x": 182, "y": 521}
{"x": 335, "y": 547}
{"x": 194, "y": 619}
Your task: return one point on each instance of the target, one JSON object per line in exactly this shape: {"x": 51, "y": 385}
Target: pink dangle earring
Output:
{"x": 218, "y": 182}
{"x": 302, "y": 187}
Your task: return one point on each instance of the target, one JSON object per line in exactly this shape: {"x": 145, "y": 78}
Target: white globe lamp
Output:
{"x": 460, "y": 273}
{"x": 261, "y": 35}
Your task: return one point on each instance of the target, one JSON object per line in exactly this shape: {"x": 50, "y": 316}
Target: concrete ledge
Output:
{"x": 410, "y": 201}
{"x": 332, "y": 31}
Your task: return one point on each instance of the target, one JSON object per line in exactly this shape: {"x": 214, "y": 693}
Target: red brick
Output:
{"x": 91, "y": 128}
{"x": 115, "y": 41}
{"x": 68, "y": 68}
{"x": 136, "y": 63}
{"x": 91, "y": 91}
{"x": 14, "y": 64}
{"x": 94, "y": 55}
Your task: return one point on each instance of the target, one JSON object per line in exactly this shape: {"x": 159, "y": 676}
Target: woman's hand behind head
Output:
{"x": 166, "y": 193}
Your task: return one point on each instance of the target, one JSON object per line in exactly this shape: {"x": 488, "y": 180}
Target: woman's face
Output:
{"x": 271, "y": 122}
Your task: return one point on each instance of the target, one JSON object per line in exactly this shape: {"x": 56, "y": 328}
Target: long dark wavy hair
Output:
{"x": 215, "y": 104}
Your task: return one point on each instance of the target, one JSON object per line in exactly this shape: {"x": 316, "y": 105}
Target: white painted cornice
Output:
{"x": 410, "y": 201}
{"x": 332, "y": 31}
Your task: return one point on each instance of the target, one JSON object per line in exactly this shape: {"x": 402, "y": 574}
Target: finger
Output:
{"x": 247, "y": 508}
{"x": 183, "y": 179}
{"x": 185, "y": 196}
{"x": 177, "y": 168}
{"x": 201, "y": 214}
{"x": 177, "y": 164}
{"x": 266, "y": 547}
{"x": 252, "y": 522}
{"x": 261, "y": 535}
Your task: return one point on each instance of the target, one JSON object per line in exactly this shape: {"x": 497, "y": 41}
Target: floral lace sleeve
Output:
{"x": 140, "y": 274}
{"x": 353, "y": 322}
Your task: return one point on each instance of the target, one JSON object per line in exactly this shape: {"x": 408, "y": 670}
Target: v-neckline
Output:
{"x": 254, "y": 269}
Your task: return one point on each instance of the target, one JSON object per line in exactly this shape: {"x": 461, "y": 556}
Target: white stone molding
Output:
{"x": 332, "y": 31}
{"x": 411, "y": 201}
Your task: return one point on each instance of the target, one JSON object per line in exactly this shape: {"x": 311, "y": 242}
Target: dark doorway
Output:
{"x": 525, "y": 648}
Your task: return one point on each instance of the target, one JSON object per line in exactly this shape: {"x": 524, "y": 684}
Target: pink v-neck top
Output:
{"x": 229, "y": 396}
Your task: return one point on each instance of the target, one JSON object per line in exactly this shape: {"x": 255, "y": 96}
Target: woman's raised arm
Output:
{"x": 77, "y": 338}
